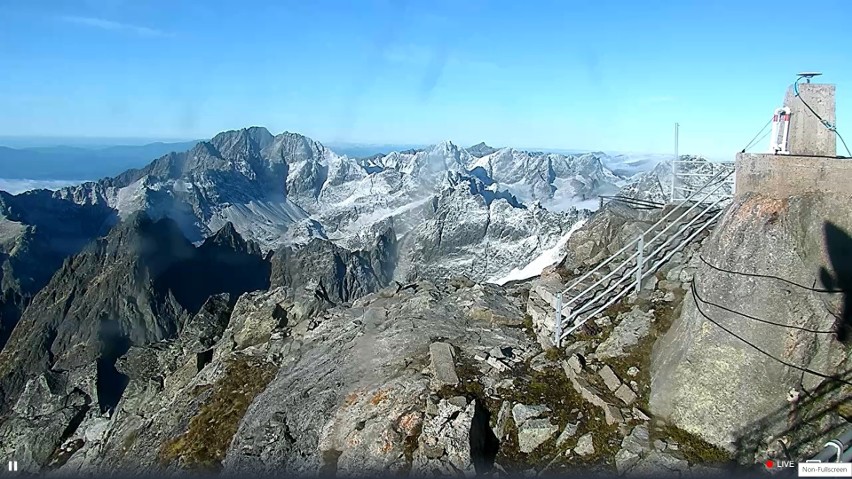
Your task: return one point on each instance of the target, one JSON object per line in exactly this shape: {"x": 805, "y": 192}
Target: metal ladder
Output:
{"x": 623, "y": 272}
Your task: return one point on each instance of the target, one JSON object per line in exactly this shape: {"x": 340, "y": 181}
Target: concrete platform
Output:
{"x": 782, "y": 176}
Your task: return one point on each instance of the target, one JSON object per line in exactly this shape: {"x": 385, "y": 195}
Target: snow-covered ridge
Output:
{"x": 481, "y": 213}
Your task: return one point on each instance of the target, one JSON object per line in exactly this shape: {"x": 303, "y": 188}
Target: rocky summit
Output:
{"x": 261, "y": 304}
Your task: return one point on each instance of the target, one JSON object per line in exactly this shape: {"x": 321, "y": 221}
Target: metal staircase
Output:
{"x": 592, "y": 293}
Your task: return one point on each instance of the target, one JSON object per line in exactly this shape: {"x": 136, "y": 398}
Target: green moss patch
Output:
{"x": 640, "y": 354}
{"x": 549, "y": 387}
{"x": 694, "y": 449}
{"x": 210, "y": 432}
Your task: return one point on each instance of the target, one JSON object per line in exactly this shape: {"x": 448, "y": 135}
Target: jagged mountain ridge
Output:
{"x": 286, "y": 189}
{"x": 141, "y": 286}
{"x": 137, "y": 285}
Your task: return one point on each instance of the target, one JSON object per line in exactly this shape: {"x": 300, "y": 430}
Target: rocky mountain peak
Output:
{"x": 448, "y": 148}
{"x": 251, "y": 139}
{"x": 140, "y": 233}
{"x": 293, "y": 147}
{"x": 228, "y": 236}
{"x": 481, "y": 149}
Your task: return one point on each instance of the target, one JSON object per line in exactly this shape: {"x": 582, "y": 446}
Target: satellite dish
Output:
{"x": 808, "y": 75}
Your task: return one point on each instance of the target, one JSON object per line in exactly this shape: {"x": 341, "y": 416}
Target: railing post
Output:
{"x": 639, "y": 260}
{"x": 557, "y": 330}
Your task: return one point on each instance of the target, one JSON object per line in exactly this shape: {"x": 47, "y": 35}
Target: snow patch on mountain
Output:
{"x": 548, "y": 257}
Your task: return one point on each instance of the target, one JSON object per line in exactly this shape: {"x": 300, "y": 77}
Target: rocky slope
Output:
{"x": 358, "y": 340}
{"x": 331, "y": 367}
{"x": 128, "y": 297}
{"x": 771, "y": 273}
{"x": 37, "y": 232}
{"x": 804, "y": 240}
{"x": 368, "y": 369}
{"x": 303, "y": 376}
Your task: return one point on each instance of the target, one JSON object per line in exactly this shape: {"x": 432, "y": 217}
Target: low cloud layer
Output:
{"x": 16, "y": 186}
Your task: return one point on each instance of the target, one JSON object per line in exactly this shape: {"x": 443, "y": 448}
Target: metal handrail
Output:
{"x": 650, "y": 256}
{"x": 626, "y": 261}
{"x": 660, "y": 221}
{"x": 649, "y": 271}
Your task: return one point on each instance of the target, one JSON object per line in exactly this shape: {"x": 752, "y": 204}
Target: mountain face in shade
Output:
{"x": 321, "y": 274}
{"x": 37, "y": 232}
{"x": 481, "y": 149}
{"x": 138, "y": 285}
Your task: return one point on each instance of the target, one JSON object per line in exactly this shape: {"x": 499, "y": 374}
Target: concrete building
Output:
{"x": 808, "y": 136}
{"x": 811, "y": 165}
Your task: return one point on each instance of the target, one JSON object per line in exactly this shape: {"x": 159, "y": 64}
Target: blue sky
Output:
{"x": 608, "y": 75}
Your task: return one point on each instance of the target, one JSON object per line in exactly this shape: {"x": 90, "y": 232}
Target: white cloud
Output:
{"x": 15, "y": 186}
{"x": 104, "y": 24}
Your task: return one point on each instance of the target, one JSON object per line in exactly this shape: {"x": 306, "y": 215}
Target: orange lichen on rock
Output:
{"x": 409, "y": 422}
{"x": 351, "y": 398}
{"x": 764, "y": 207}
{"x": 379, "y": 397}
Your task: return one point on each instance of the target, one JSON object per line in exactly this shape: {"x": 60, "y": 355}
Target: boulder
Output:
{"x": 632, "y": 326}
{"x": 574, "y": 365}
{"x": 610, "y": 379}
{"x": 625, "y": 394}
{"x": 502, "y": 418}
{"x": 444, "y": 443}
{"x": 637, "y": 441}
{"x": 533, "y": 433}
{"x": 567, "y": 433}
{"x": 585, "y": 445}
{"x": 256, "y": 315}
{"x": 443, "y": 364}
{"x": 625, "y": 460}
{"x": 708, "y": 382}
{"x": 521, "y": 413}
{"x": 591, "y": 394}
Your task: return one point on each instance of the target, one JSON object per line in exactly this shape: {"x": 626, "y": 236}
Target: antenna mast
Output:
{"x": 675, "y": 160}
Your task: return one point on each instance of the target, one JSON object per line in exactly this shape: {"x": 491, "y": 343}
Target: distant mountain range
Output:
{"x": 50, "y": 164}
{"x": 481, "y": 211}
{"x": 57, "y": 163}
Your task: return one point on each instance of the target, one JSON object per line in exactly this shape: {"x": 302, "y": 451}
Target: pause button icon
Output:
{"x": 13, "y": 466}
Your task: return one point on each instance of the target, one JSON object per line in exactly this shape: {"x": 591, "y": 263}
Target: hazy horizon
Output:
{"x": 32, "y": 142}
